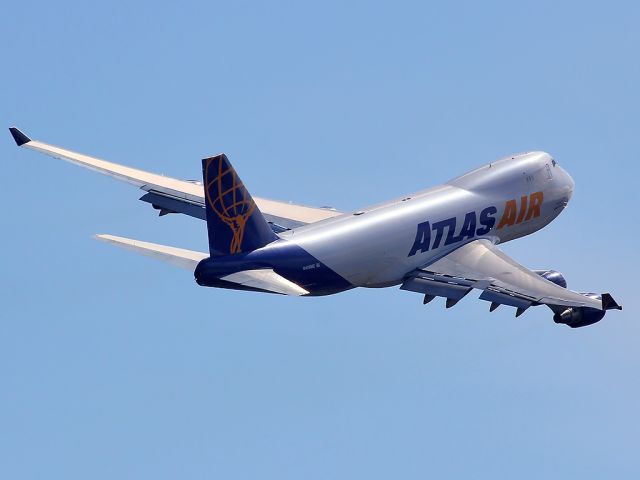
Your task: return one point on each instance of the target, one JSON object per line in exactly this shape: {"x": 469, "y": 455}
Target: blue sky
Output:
{"x": 113, "y": 366}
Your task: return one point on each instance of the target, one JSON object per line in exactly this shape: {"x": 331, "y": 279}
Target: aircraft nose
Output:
{"x": 570, "y": 184}
{"x": 565, "y": 182}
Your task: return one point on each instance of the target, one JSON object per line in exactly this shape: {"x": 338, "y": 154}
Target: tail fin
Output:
{"x": 234, "y": 223}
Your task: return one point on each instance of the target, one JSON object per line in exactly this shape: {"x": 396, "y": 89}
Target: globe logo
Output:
{"x": 228, "y": 198}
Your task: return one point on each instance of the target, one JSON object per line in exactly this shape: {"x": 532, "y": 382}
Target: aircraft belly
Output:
{"x": 371, "y": 267}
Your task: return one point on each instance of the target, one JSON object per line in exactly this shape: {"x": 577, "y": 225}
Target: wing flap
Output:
{"x": 480, "y": 264}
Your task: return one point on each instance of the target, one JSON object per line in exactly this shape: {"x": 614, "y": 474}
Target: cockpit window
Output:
{"x": 553, "y": 162}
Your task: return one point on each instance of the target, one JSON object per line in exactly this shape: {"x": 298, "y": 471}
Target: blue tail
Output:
{"x": 234, "y": 223}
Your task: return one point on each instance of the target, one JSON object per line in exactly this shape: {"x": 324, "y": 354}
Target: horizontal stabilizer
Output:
{"x": 266, "y": 279}
{"x": 178, "y": 257}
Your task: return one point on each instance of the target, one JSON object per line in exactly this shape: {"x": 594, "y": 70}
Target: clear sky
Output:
{"x": 114, "y": 366}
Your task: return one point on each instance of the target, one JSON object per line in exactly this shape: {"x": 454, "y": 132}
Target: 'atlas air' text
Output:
{"x": 430, "y": 235}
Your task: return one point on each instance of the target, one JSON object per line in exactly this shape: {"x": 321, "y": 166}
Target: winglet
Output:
{"x": 608, "y": 303}
{"x": 18, "y": 136}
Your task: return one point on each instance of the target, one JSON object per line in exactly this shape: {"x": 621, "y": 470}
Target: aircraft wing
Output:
{"x": 480, "y": 264}
{"x": 263, "y": 279}
{"x": 170, "y": 195}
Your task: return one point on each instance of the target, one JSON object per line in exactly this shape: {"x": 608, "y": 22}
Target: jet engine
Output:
{"x": 553, "y": 276}
{"x": 576, "y": 317}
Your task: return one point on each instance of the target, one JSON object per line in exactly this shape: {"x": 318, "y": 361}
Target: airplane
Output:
{"x": 440, "y": 242}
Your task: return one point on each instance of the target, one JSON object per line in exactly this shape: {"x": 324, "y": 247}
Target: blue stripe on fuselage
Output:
{"x": 289, "y": 260}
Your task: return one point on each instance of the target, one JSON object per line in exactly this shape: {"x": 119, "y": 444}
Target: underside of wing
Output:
{"x": 480, "y": 264}
{"x": 170, "y": 195}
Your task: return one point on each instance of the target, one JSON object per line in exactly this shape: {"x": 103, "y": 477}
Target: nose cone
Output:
{"x": 567, "y": 183}
{"x": 563, "y": 187}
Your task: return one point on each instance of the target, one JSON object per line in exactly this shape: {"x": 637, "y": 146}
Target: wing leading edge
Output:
{"x": 171, "y": 195}
{"x": 480, "y": 264}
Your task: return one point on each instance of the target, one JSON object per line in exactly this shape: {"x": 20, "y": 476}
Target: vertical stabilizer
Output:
{"x": 234, "y": 222}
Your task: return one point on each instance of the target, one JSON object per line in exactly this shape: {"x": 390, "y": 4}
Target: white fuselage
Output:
{"x": 378, "y": 246}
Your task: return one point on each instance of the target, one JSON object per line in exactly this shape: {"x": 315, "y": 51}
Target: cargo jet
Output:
{"x": 440, "y": 242}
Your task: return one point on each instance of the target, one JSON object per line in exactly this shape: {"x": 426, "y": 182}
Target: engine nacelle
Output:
{"x": 553, "y": 276}
{"x": 576, "y": 317}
